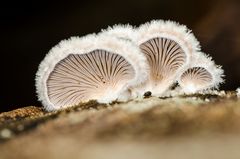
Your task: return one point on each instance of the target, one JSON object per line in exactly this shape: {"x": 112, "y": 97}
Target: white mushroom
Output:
{"x": 168, "y": 47}
{"x": 202, "y": 74}
{"x": 238, "y": 92}
{"x": 92, "y": 67}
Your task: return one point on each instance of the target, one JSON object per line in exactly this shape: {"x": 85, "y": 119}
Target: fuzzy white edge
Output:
{"x": 122, "y": 31}
{"x": 82, "y": 45}
{"x": 200, "y": 59}
{"x": 168, "y": 29}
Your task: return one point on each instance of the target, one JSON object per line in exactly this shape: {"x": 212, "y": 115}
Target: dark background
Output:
{"x": 30, "y": 29}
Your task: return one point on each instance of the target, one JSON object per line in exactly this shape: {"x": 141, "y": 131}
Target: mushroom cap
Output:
{"x": 77, "y": 70}
{"x": 168, "y": 47}
{"x": 202, "y": 74}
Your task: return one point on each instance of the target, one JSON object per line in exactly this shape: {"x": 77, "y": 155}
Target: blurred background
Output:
{"x": 30, "y": 29}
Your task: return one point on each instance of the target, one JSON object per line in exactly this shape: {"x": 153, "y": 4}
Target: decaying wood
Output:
{"x": 199, "y": 126}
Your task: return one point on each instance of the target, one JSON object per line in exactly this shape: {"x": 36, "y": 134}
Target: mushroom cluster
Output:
{"x": 124, "y": 62}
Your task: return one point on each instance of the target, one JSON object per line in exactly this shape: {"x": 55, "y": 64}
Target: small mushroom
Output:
{"x": 168, "y": 47}
{"x": 94, "y": 67}
{"x": 201, "y": 75}
{"x": 238, "y": 92}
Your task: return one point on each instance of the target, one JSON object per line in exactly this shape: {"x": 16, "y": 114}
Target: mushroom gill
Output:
{"x": 165, "y": 57}
{"x": 201, "y": 74}
{"x": 195, "y": 79}
{"x": 94, "y": 67}
{"x": 93, "y": 75}
{"x": 123, "y": 62}
{"x": 167, "y": 47}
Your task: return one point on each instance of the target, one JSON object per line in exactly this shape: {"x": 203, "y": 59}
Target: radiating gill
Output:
{"x": 79, "y": 78}
{"x": 164, "y": 57}
{"x": 195, "y": 79}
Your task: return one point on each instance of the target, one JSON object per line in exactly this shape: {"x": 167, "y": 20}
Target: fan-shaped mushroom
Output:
{"x": 168, "y": 47}
{"x": 201, "y": 75}
{"x": 92, "y": 67}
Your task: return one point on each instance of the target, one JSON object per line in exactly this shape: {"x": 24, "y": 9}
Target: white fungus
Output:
{"x": 126, "y": 32}
{"x": 202, "y": 74}
{"x": 92, "y": 67}
{"x": 124, "y": 62}
{"x": 168, "y": 47}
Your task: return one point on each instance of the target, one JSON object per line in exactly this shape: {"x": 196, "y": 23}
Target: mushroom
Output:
{"x": 93, "y": 67}
{"x": 168, "y": 47}
{"x": 202, "y": 74}
{"x": 238, "y": 92}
